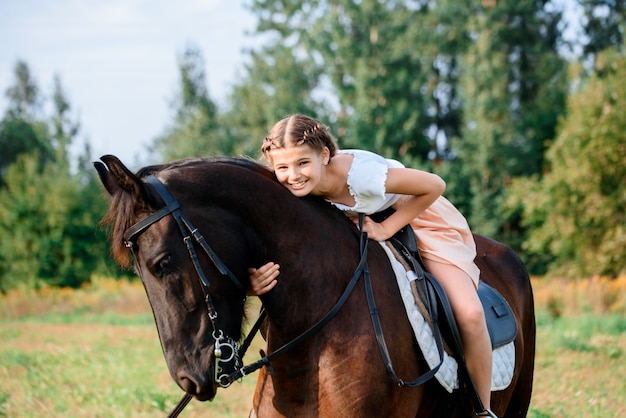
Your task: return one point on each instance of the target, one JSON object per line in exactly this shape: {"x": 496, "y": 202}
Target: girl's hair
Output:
{"x": 296, "y": 130}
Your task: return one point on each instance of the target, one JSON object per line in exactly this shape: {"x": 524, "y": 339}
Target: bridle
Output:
{"x": 226, "y": 349}
{"x": 224, "y": 344}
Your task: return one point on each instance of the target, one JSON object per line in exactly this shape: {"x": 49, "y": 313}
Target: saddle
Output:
{"x": 498, "y": 314}
{"x": 428, "y": 292}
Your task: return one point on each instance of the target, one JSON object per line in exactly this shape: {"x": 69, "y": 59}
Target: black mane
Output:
{"x": 244, "y": 162}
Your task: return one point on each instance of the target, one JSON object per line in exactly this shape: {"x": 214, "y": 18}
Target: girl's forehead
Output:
{"x": 291, "y": 153}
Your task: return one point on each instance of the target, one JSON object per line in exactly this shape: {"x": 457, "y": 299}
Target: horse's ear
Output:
{"x": 105, "y": 178}
{"x": 115, "y": 176}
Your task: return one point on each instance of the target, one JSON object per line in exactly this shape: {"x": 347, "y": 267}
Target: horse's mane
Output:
{"x": 243, "y": 162}
{"x": 123, "y": 208}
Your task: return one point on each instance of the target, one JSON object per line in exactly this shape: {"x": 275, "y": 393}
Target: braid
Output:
{"x": 297, "y": 130}
{"x": 312, "y": 133}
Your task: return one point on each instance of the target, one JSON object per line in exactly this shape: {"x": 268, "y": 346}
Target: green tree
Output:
{"x": 24, "y": 96}
{"x": 21, "y": 130}
{"x": 514, "y": 87}
{"x": 275, "y": 83}
{"x": 577, "y": 213}
{"x": 391, "y": 67}
{"x": 603, "y": 25}
{"x": 49, "y": 209}
{"x": 32, "y": 215}
{"x": 195, "y": 130}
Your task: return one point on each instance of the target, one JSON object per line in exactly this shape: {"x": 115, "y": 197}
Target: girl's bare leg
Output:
{"x": 470, "y": 318}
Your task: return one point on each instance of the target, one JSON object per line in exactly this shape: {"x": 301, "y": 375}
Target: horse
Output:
{"x": 243, "y": 218}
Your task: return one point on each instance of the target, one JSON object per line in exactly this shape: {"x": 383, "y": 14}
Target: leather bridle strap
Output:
{"x": 362, "y": 269}
{"x": 382, "y": 345}
{"x": 180, "y": 405}
{"x": 266, "y": 359}
{"x": 172, "y": 206}
{"x": 140, "y": 227}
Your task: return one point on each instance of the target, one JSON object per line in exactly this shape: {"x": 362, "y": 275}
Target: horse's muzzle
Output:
{"x": 201, "y": 386}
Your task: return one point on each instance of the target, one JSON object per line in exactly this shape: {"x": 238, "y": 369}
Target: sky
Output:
{"x": 117, "y": 60}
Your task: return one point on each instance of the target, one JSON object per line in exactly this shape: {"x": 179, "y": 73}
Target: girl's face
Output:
{"x": 300, "y": 168}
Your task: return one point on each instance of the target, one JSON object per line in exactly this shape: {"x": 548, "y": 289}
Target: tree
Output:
{"x": 21, "y": 132}
{"x": 577, "y": 214}
{"x": 31, "y": 223}
{"x": 514, "y": 87}
{"x": 603, "y": 25}
{"x": 276, "y": 83}
{"x": 49, "y": 209}
{"x": 195, "y": 131}
{"x": 24, "y": 97}
{"x": 390, "y": 67}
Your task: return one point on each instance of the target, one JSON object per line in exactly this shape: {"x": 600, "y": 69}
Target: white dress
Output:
{"x": 443, "y": 234}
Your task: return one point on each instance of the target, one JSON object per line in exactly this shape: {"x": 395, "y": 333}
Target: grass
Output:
{"x": 580, "y": 367}
{"x": 94, "y": 352}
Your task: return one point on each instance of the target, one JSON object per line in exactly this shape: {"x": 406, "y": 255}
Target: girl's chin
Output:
{"x": 301, "y": 191}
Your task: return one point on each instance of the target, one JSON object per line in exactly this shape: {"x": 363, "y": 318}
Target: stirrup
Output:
{"x": 486, "y": 413}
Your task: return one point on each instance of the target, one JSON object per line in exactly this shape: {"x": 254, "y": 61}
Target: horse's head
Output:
{"x": 197, "y": 301}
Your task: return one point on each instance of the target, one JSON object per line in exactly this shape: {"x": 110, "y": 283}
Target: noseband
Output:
{"x": 226, "y": 349}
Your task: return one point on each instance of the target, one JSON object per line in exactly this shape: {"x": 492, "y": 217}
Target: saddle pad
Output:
{"x": 503, "y": 362}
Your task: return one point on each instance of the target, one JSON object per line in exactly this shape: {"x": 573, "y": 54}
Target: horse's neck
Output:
{"x": 312, "y": 280}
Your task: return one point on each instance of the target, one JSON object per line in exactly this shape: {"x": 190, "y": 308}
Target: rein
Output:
{"x": 172, "y": 206}
{"x": 361, "y": 269}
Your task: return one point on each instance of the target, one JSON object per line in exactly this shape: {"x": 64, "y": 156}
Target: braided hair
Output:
{"x": 297, "y": 130}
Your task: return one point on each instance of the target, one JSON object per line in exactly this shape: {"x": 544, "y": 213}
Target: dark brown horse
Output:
{"x": 247, "y": 219}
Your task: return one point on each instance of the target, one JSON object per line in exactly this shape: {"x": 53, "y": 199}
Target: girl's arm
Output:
{"x": 420, "y": 188}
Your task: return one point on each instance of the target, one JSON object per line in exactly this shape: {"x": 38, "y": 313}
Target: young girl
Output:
{"x": 304, "y": 155}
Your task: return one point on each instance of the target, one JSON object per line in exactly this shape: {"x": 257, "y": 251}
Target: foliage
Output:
{"x": 49, "y": 208}
{"x": 473, "y": 90}
{"x": 513, "y": 88}
{"x": 20, "y": 130}
{"x": 390, "y": 67}
{"x": 577, "y": 213}
{"x": 274, "y": 85}
{"x": 195, "y": 130}
{"x": 48, "y": 223}
{"x": 603, "y": 25}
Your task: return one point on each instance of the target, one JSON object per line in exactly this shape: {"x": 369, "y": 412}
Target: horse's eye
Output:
{"x": 163, "y": 266}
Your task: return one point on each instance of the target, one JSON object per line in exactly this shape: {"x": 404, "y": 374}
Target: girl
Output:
{"x": 304, "y": 155}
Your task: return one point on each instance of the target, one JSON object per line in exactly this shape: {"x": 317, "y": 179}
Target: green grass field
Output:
{"x": 95, "y": 353}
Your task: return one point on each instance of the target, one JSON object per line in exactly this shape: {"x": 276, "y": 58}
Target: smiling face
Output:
{"x": 300, "y": 168}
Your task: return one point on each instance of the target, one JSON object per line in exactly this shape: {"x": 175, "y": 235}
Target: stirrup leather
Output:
{"x": 486, "y": 413}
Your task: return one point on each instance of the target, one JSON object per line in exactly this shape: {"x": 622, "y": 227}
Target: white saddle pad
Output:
{"x": 447, "y": 375}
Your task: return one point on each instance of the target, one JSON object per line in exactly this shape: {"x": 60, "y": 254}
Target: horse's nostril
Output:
{"x": 191, "y": 382}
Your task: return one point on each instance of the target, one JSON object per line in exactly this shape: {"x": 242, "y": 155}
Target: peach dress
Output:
{"x": 443, "y": 234}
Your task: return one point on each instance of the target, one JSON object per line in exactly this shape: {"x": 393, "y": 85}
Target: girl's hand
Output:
{"x": 263, "y": 279}
{"x": 375, "y": 230}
